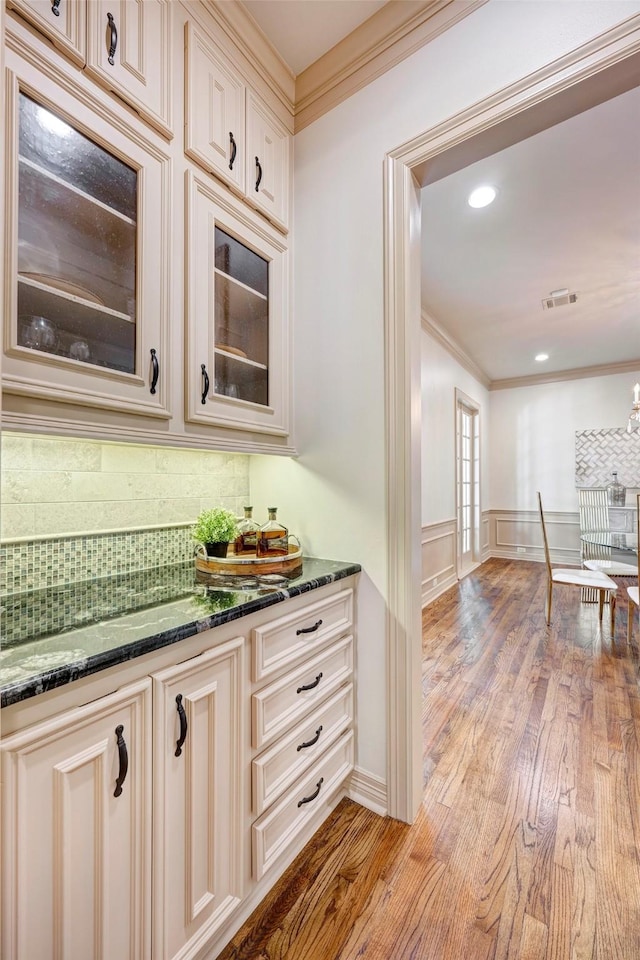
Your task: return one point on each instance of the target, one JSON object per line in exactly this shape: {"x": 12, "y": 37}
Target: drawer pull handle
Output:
{"x": 113, "y": 38}
{"x": 155, "y": 366}
{"x": 54, "y": 8}
{"x": 234, "y": 150}
{"x": 310, "y": 743}
{"x": 313, "y": 795}
{"x": 309, "y": 629}
{"x": 259, "y": 174}
{"x": 205, "y": 383}
{"x": 123, "y": 758}
{"x": 183, "y": 726}
{"x": 310, "y": 686}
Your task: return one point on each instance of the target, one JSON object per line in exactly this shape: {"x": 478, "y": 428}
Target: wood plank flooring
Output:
{"x": 527, "y": 843}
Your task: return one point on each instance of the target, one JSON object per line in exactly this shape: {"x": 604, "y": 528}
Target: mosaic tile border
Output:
{"x": 58, "y": 561}
{"x": 41, "y": 613}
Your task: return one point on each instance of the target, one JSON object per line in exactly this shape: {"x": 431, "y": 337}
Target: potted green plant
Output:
{"x": 215, "y": 528}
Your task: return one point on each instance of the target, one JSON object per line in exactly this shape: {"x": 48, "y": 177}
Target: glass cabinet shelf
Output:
{"x": 241, "y": 279}
{"x": 77, "y": 242}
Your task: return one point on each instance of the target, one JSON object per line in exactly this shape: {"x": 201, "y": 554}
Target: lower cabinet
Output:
{"x": 198, "y": 781}
{"x": 76, "y": 833}
{"x": 149, "y": 822}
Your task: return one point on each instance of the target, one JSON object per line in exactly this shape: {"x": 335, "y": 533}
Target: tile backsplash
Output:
{"x": 79, "y": 509}
{"x": 600, "y": 452}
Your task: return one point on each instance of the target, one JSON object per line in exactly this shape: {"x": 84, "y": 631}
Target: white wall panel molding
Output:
{"x": 393, "y": 33}
{"x": 517, "y": 535}
{"x": 438, "y": 545}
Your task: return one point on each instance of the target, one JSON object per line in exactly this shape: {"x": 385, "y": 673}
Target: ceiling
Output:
{"x": 567, "y": 215}
{"x": 302, "y": 30}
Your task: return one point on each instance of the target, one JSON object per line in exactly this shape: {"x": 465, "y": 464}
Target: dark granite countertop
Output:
{"x": 52, "y": 637}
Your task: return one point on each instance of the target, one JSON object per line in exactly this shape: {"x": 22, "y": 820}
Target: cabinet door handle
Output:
{"x": 309, "y": 629}
{"x": 54, "y": 8}
{"x": 313, "y": 795}
{"x": 183, "y": 725}
{"x": 123, "y": 757}
{"x": 310, "y": 686}
{"x": 156, "y": 371}
{"x": 113, "y": 38}
{"x": 205, "y": 383}
{"x": 259, "y": 172}
{"x": 310, "y": 743}
{"x": 234, "y": 150}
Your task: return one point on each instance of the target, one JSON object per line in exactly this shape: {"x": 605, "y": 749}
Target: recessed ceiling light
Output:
{"x": 541, "y": 357}
{"x": 482, "y": 196}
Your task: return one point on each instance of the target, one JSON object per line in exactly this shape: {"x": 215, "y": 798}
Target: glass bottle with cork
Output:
{"x": 273, "y": 539}
{"x": 248, "y": 530}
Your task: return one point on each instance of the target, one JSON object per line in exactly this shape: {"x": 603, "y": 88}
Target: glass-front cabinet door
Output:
{"x": 238, "y": 315}
{"x": 86, "y": 284}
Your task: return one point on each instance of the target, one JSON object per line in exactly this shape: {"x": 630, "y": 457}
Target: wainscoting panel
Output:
{"x": 438, "y": 559}
{"x": 517, "y": 535}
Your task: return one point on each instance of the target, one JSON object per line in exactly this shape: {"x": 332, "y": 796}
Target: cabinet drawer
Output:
{"x": 276, "y": 830}
{"x": 287, "y": 700}
{"x": 284, "y": 642}
{"x": 277, "y": 768}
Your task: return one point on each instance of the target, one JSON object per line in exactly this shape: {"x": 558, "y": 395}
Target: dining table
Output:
{"x": 622, "y": 542}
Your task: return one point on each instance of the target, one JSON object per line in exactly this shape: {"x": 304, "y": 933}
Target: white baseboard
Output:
{"x": 432, "y": 592}
{"x": 368, "y": 790}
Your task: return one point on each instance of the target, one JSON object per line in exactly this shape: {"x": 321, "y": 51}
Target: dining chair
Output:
{"x": 574, "y": 577}
{"x": 633, "y": 592}
{"x": 594, "y": 517}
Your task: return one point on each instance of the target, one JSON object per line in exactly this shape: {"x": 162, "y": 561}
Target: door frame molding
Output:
{"x": 558, "y": 90}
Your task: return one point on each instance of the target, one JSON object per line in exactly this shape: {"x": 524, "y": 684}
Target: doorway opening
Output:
{"x": 598, "y": 70}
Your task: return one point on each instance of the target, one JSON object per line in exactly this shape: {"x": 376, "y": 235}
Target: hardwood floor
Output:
{"x": 527, "y": 843}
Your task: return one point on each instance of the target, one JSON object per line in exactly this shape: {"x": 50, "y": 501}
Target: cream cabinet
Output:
{"x": 76, "y": 833}
{"x": 87, "y": 249}
{"x": 302, "y": 722}
{"x": 199, "y": 778}
{"x": 237, "y": 314}
{"x": 123, "y": 44}
{"x": 231, "y": 132}
{"x": 148, "y": 823}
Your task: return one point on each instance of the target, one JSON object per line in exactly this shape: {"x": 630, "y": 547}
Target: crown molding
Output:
{"x": 264, "y": 60}
{"x": 391, "y": 35}
{"x": 578, "y": 373}
{"x": 454, "y": 350}
{"x": 510, "y": 383}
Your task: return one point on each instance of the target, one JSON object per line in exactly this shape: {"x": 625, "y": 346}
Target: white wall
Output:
{"x": 441, "y": 375}
{"x": 336, "y": 491}
{"x": 536, "y": 428}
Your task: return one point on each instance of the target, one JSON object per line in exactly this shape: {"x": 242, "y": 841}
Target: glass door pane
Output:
{"x": 241, "y": 321}
{"x": 77, "y": 213}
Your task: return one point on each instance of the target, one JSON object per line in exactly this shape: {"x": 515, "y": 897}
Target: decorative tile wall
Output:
{"x": 58, "y": 561}
{"x": 80, "y": 509}
{"x": 27, "y": 616}
{"x": 600, "y": 452}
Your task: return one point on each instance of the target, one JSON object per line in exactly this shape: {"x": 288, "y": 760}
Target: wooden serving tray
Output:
{"x": 249, "y": 565}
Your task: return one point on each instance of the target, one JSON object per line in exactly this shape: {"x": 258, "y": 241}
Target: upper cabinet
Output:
{"x": 231, "y": 132}
{"x": 123, "y": 44}
{"x": 237, "y": 315}
{"x": 86, "y": 244}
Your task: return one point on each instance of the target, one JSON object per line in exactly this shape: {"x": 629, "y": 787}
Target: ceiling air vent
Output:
{"x": 559, "y": 298}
